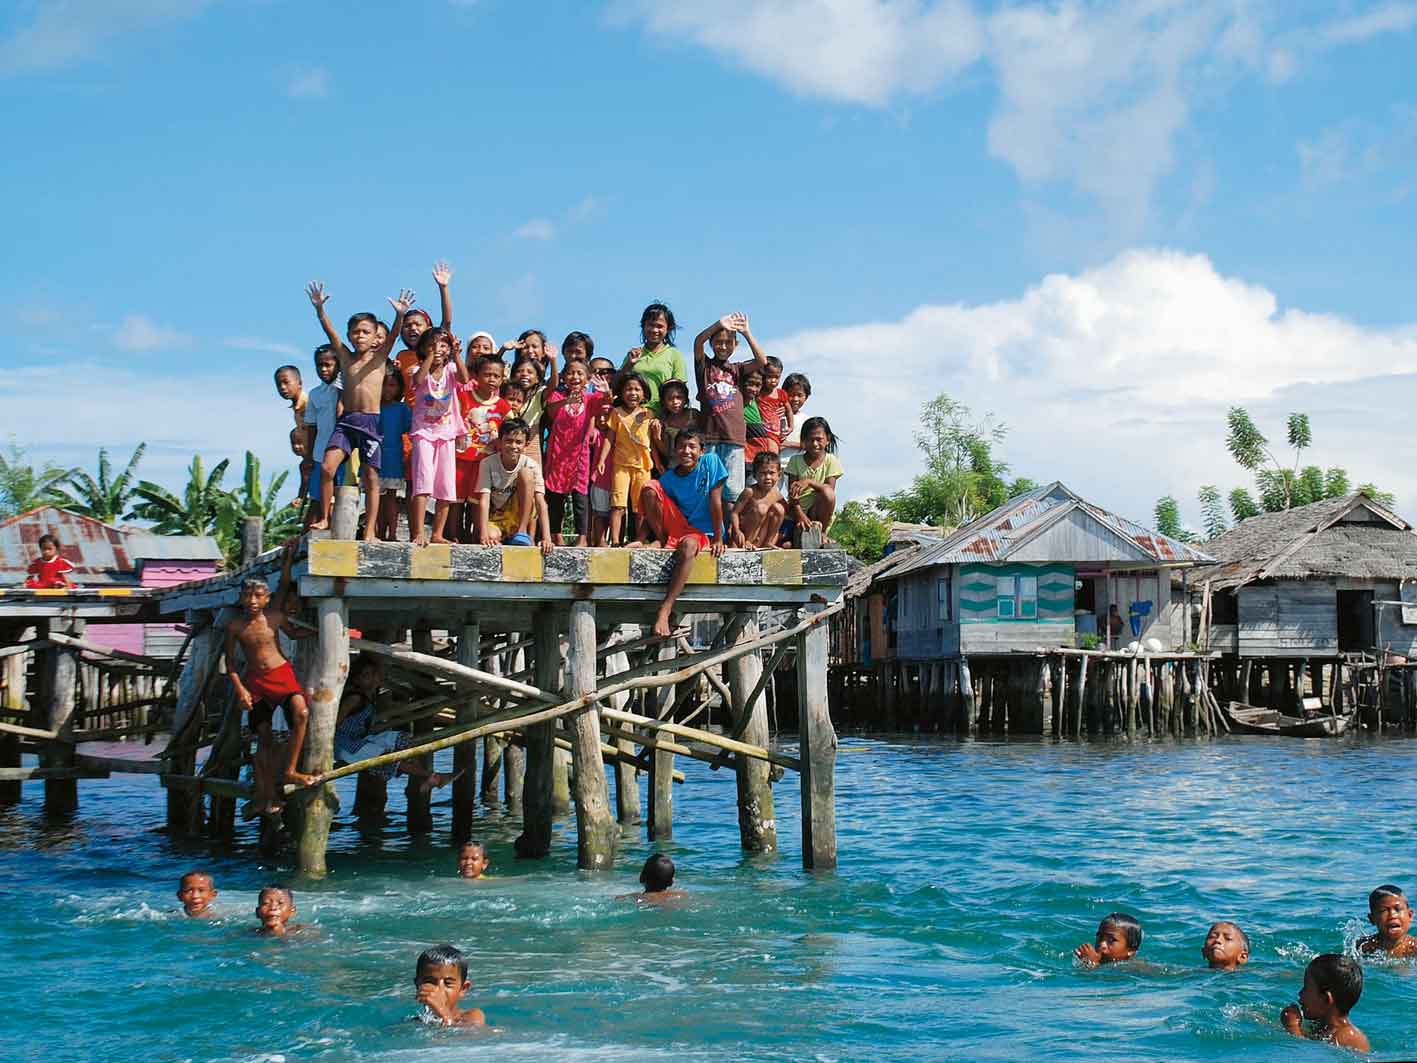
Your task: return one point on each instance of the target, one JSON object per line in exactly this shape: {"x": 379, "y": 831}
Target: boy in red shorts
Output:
{"x": 269, "y": 682}
{"x": 49, "y": 571}
{"x": 683, "y": 512}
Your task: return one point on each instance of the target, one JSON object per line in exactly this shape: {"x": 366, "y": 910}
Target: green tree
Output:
{"x": 963, "y": 478}
{"x": 1212, "y": 511}
{"x": 1168, "y": 520}
{"x": 106, "y": 497}
{"x": 861, "y": 531}
{"x": 197, "y": 512}
{"x": 1381, "y": 497}
{"x": 23, "y": 487}
{"x": 253, "y": 500}
{"x": 1243, "y": 505}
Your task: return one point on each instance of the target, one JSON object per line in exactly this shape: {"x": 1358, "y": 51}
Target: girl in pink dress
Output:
{"x": 567, "y": 466}
{"x": 438, "y": 431}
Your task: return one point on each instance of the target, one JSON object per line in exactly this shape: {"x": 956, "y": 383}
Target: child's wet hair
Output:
{"x": 627, "y": 378}
{"x": 674, "y": 386}
{"x": 196, "y": 872}
{"x": 287, "y": 369}
{"x": 654, "y": 310}
{"x": 289, "y": 894}
{"x": 473, "y": 843}
{"x": 355, "y": 319}
{"x": 796, "y": 380}
{"x": 1339, "y": 976}
{"x": 515, "y": 424}
{"x": 811, "y": 424}
{"x": 47, "y": 538}
{"x": 442, "y": 956}
{"x": 1239, "y": 933}
{"x": 658, "y": 873}
{"x": 582, "y": 338}
{"x": 1387, "y": 889}
{"x": 1129, "y": 925}
{"x": 764, "y": 459}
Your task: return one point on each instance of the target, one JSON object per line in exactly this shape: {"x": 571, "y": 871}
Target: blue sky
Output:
{"x": 1103, "y": 222}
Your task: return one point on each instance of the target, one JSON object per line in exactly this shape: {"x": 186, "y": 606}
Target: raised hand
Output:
{"x": 404, "y": 302}
{"x": 513, "y": 345}
{"x": 1088, "y": 954}
{"x": 316, "y": 291}
{"x": 736, "y": 322}
{"x": 633, "y": 354}
{"x": 442, "y": 273}
{"x": 1292, "y": 1019}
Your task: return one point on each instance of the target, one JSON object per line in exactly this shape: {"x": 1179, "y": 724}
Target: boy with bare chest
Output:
{"x": 759, "y": 512}
{"x": 358, "y": 428}
{"x": 270, "y": 681}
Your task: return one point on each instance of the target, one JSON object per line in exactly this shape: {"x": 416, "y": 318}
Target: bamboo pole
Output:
{"x": 514, "y": 762}
{"x": 1081, "y": 698}
{"x": 426, "y": 662}
{"x": 627, "y": 767}
{"x": 72, "y": 642}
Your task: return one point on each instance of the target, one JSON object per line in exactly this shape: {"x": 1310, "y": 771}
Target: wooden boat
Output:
{"x": 1250, "y": 719}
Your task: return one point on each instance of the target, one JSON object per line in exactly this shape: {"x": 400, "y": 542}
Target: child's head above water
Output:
{"x": 1332, "y": 986}
{"x": 658, "y": 873}
{"x": 1118, "y": 937}
{"x": 275, "y": 905}
{"x": 472, "y": 860}
{"x": 1390, "y": 913}
{"x": 1226, "y": 947}
{"x": 196, "y": 891}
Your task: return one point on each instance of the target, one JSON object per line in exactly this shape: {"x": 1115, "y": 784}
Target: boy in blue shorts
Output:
{"x": 322, "y": 409}
{"x": 683, "y": 511}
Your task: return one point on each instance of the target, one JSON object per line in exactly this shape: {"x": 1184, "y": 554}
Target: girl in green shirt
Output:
{"x": 658, "y": 359}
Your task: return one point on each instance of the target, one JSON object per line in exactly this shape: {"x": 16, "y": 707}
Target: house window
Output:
{"x": 942, "y": 598}
{"x": 1017, "y": 597}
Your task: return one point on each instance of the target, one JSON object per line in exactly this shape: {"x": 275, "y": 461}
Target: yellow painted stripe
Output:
{"x": 782, "y": 566}
{"x": 434, "y": 561}
{"x": 115, "y": 592}
{"x": 51, "y": 592}
{"x": 334, "y": 557}
{"x": 608, "y": 565}
{"x": 521, "y": 564}
{"x": 704, "y": 568}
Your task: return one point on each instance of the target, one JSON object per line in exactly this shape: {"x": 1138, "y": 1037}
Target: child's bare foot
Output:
{"x": 581, "y": 540}
{"x": 662, "y": 626}
{"x": 436, "y": 781}
{"x": 442, "y": 540}
{"x": 301, "y": 779}
{"x": 422, "y": 540}
{"x": 320, "y": 525}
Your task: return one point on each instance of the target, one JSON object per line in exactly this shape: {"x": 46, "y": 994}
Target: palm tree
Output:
{"x": 250, "y": 500}
{"x": 23, "y": 488}
{"x": 197, "y": 512}
{"x": 105, "y": 498}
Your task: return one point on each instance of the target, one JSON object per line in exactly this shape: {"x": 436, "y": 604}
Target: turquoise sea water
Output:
{"x": 969, "y": 871}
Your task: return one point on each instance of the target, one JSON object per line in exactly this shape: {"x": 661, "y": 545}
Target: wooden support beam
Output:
{"x": 465, "y": 755}
{"x": 459, "y": 673}
{"x": 818, "y": 746}
{"x": 94, "y": 648}
{"x": 596, "y": 831}
{"x": 514, "y": 756}
{"x": 118, "y": 765}
{"x": 707, "y": 738}
{"x": 661, "y": 789}
{"x": 757, "y": 820}
{"x": 419, "y": 799}
{"x": 14, "y": 705}
{"x": 61, "y": 669}
{"x": 627, "y": 782}
{"x": 27, "y": 732}
{"x": 325, "y": 687}
{"x": 537, "y": 816}
{"x": 49, "y": 775}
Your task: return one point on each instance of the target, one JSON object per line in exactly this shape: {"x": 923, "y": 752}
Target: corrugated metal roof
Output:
{"x": 994, "y": 536}
{"x": 100, "y": 553}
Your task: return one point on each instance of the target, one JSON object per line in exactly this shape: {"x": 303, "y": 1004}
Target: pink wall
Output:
{"x": 126, "y": 637}
{"x": 171, "y": 573}
{"x": 130, "y": 637}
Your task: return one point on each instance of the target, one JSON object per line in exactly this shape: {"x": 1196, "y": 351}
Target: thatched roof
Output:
{"x": 1351, "y": 537}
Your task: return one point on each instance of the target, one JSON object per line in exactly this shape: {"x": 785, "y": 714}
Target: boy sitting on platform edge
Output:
{"x": 683, "y": 511}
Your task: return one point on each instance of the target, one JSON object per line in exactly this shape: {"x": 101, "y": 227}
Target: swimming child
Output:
{"x": 656, "y": 359}
{"x": 322, "y": 410}
{"x": 472, "y": 860}
{"x": 507, "y": 488}
{"x": 1118, "y": 939}
{"x": 357, "y": 429}
{"x": 269, "y": 681}
{"x": 721, "y": 397}
{"x": 196, "y": 891}
{"x": 1332, "y": 986}
{"x": 657, "y": 876}
{"x": 437, "y": 428}
{"x": 676, "y": 414}
{"x": 49, "y": 571}
{"x": 275, "y": 905}
{"x": 683, "y": 510}
{"x": 395, "y": 421}
{"x": 440, "y": 979}
{"x": 1226, "y": 947}
{"x": 626, "y": 447}
{"x": 571, "y": 420}
{"x": 759, "y": 512}
{"x": 1389, "y": 911}
{"x": 798, "y": 390}
{"x": 812, "y": 477}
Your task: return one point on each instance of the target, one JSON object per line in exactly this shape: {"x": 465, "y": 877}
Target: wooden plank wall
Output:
{"x": 1288, "y": 619}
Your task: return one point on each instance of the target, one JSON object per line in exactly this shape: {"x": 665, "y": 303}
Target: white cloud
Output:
{"x": 255, "y": 343}
{"x": 854, "y": 51}
{"x": 139, "y": 334}
{"x": 1360, "y": 147}
{"x": 1385, "y": 18}
{"x": 536, "y": 229}
{"x": 308, "y": 83}
{"x": 588, "y": 209}
{"x": 1116, "y": 380}
{"x": 62, "y": 32}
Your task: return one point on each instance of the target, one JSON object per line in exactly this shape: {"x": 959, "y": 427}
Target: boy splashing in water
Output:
{"x": 1389, "y": 911}
{"x": 1226, "y": 947}
{"x": 1332, "y": 986}
{"x": 1118, "y": 939}
{"x": 270, "y": 679}
{"x": 358, "y": 428}
{"x": 440, "y": 980}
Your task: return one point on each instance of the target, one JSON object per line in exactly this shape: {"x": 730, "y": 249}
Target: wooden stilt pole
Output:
{"x": 661, "y": 786}
{"x": 514, "y": 756}
{"x": 325, "y": 688}
{"x": 465, "y": 755}
{"x": 420, "y": 798}
{"x": 596, "y": 831}
{"x": 535, "y": 840}
{"x": 818, "y": 744}
{"x": 757, "y": 822}
{"x": 15, "y": 679}
{"x": 493, "y": 746}
{"x": 966, "y": 690}
{"x": 1080, "y": 707}
{"x": 61, "y": 670}
{"x": 627, "y": 782}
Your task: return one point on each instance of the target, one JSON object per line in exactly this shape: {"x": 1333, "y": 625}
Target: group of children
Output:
{"x": 1333, "y": 982}
{"x": 440, "y": 974}
{"x": 501, "y": 453}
